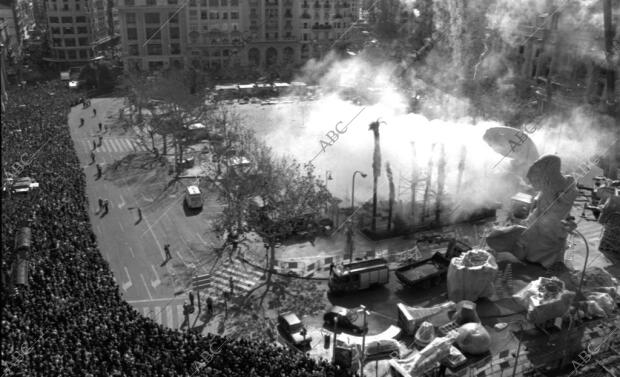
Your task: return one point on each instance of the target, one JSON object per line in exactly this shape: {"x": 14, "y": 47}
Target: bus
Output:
{"x": 354, "y": 276}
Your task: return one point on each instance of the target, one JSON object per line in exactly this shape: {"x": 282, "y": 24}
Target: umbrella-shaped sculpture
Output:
{"x": 512, "y": 143}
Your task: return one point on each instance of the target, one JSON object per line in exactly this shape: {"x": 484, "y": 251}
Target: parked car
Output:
{"x": 291, "y": 328}
{"x": 382, "y": 349}
{"x": 348, "y": 320}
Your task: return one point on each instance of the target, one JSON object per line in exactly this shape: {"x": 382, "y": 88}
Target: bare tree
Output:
{"x": 390, "y": 178}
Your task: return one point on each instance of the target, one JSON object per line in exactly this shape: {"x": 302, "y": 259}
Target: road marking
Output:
{"x": 165, "y": 212}
{"x": 98, "y": 229}
{"x": 146, "y": 286}
{"x": 180, "y": 315}
{"x": 131, "y": 250}
{"x": 153, "y": 300}
{"x": 122, "y": 204}
{"x": 155, "y": 283}
{"x": 150, "y": 228}
{"x": 181, "y": 258}
{"x": 147, "y": 199}
{"x": 158, "y": 314}
{"x": 169, "y": 318}
{"x": 127, "y": 285}
{"x": 121, "y": 225}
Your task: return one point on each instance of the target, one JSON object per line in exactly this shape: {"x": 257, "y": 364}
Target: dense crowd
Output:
{"x": 71, "y": 320}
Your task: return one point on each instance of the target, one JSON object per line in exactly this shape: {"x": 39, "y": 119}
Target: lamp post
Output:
{"x": 328, "y": 177}
{"x": 363, "y": 358}
{"x": 364, "y": 175}
{"x": 335, "y": 334}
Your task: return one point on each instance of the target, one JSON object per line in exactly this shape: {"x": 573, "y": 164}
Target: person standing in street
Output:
{"x": 94, "y": 112}
{"x": 232, "y": 285}
{"x": 100, "y": 126}
{"x": 210, "y": 305}
{"x": 100, "y": 140}
{"x": 99, "y": 171}
{"x": 167, "y": 251}
{"x": 100, "y": 204}
{"x": 94, "y": 144}
{"x": 139, "y": 214}
{"x": 106, "y": 206}
{"x": 92, "y": 157}
{"x": 81, "y": 122}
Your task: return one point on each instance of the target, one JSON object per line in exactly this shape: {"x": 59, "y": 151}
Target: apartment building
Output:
{"x": 231, "y": 36}
{"x": 79, "y": 29}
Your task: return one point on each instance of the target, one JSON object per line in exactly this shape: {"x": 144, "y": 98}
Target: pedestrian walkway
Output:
{"x": 244, "y": 278}
{"x": 114, "y": 145}
{"x": 168, "y": 314}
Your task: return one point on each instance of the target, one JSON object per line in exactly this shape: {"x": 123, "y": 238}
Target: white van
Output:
{"x": 193, "y": 197}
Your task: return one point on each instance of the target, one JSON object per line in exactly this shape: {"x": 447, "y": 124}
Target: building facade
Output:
{"x": 78, "y": 30}
{"x": 231, "y": 36}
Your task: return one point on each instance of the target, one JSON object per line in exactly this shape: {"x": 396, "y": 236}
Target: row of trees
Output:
{"x": 259, "y": 189}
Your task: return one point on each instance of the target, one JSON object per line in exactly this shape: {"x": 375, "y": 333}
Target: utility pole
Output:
{"x": 441, "y": 178}
{"x": 414, "y": 179}
{"x": 427, "y": 189}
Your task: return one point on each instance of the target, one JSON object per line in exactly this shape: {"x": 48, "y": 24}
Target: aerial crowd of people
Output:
{"x": 71, "y": 320}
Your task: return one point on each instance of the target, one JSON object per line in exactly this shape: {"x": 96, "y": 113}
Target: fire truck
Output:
{"x": 354, "y": 276}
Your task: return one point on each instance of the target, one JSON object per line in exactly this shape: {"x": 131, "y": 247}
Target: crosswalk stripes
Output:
{"x": 244, "y": 279}
{"x": 170, "y": 315}
{"x": 114, "y": 145}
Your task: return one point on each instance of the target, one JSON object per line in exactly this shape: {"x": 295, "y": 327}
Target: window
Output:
{"x": 234, "y": 3}
{"x": 57, "y": 42}
{"x": 193, "y": 13}
{"x": 129, "y": 3}
{"x": 234, "y": 15}
{"x": 175, "y": 33}
{"x": 224, "y": 3}
{"x": 82, "y": 30}
{"x": 225, "y": 52}
{"x": 53, "y": 20}
{"x": 133, "y": 50}
{"x": 80, "y": 19}
{"x": 83, "y": 54}
{"x": 192, "y": 3}
{"x": 203, "y": 15}
{"x": 132, "y": 34}
{"x": 175, "y": 48}
{"x": 71, "y": 54}
{"x": 69, "y": 42}
{"x": 61, "y": 54}
{"x": 214, "y": 15}
{"x": 130, "y": 18}
{"x": 224, "y": 16}
{"x": 213, "y": 3}
{"x": 82, "y": 41}
{"x": 77, "y": 7}
{"x": 153, "y": 49}
{"x": 151, "y": 18}
{"x": 67, "y": 30}
{"x": 151, "y": 2}
{"x": 203, "y": 3}
{"x": 66, "y": 20}
{"x": 153, "y": 33}
{"x": 173, "y": 19}
{"x": 172, "y": 2}
{"x": 55, "y": 30}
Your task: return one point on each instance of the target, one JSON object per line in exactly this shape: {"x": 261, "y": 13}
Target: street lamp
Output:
{"x": 363, "y": 358}
{"x": 364, "y": 175}
{"x": 328, "y": 177}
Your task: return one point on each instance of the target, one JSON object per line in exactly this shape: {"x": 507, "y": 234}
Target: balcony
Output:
{"x": 305, "y": 15}
{"x": 305, "y": 5}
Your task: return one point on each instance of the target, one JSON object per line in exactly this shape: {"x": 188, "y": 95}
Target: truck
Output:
{"x": 358, "y": 275}
{"x": 430, "y": 271}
